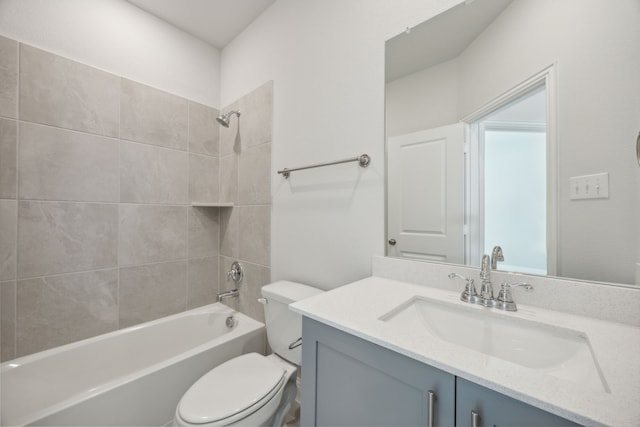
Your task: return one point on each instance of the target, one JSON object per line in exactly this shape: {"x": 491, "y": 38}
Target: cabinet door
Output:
{"x": 496, "y": 409}
{"x": 347, "y": 381}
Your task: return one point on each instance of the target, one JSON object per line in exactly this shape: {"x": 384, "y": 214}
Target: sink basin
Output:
{"x": 550, "y": 350}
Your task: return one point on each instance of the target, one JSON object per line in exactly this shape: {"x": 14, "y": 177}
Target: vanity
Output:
{"x": 382, "y": 351}
{"x": 400, "y": 347}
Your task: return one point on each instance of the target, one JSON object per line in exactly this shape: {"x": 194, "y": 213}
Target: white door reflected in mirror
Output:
{"x": 425, "y": 196}
{"x": 502, "y": 201}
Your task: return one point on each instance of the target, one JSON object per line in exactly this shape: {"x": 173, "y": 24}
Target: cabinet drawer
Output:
{"x": 496, "y": 409}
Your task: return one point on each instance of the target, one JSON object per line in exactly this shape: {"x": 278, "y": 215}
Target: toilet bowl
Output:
{"x": 246, "y": 390}
{"x": 252, "y": 389}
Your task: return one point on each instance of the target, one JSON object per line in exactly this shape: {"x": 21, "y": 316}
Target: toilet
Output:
{"x": 252, "y": 389}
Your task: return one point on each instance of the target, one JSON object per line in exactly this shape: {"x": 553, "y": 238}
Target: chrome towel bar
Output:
{"x": 362, "y": 160}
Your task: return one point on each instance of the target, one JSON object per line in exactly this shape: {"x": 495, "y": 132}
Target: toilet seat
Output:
{"x": 232, "y": 391}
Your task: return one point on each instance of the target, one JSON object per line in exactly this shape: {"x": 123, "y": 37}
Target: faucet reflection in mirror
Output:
{"x": 496, "y": 255}
{"x": 588, "y": 44}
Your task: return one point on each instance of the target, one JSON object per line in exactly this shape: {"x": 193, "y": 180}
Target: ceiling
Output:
{"x": 216, "y": 22}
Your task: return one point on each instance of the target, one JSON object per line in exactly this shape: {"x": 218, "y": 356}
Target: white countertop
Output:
{"x": 356, "y": 308}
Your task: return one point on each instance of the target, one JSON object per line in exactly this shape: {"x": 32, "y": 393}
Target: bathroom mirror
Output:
{"x": 559, "y": 77}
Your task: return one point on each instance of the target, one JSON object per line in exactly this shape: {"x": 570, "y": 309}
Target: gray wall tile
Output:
{"x": 254, "y": 175}
{"x": 204, "y": 130}
{"x": 152, "y": 116}
{"x": 58, "y": 164}
{"x": 152, "y": 233}
{"x": 126, "y": 201}
{"x": 7, "y": 320}
{"x": 152, "y": 174}
{"x": 257, "y": 116}
{"x": 8, "y": 77}
{"x": 57, "y": 310}
{"x": 152, "y": 291}
{"x": 64, "y": 93}
{"x": 203, "y": 281}
{"x": 204, "y": 232}
{"x": 204, "y": 178}
{"x": 8, "y": 158}
{"x": 255, "y": 234}
{"x": 229, "y": 178}
{"x": 8, "y": 235}
{"x": 63, "y": 237}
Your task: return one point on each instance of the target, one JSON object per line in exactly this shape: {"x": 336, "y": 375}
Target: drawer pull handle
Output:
{"x": 431, "y": 400}
{"x": 475, "y": 419}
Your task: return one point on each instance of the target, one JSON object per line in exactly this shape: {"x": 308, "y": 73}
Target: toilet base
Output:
{"x": 286, "y": 403}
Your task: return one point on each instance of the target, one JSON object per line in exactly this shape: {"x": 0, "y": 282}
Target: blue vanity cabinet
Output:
{"x": 493, "y": 409}
{"x": 347, "y": 381}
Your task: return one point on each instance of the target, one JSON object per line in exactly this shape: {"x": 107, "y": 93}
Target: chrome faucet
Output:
{"x": 228, "y": 294}
{"x": 469, "y": 294}
{"x": 496, "y": 255}
{"x": 505, "y": 300}
{"x": 486, "y": 287}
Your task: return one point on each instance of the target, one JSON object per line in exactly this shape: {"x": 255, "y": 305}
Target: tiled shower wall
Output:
{"x": 97, "y": 174}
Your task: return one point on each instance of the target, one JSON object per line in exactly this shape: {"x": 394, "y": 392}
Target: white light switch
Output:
{"x": 589, "y": 186}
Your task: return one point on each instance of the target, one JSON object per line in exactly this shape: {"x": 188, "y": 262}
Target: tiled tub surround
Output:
{"x": 97, "y": 174}
{"x": 245, "y": 180}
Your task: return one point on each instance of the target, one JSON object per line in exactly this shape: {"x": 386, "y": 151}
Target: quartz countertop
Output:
{"x": 356, "y": 308}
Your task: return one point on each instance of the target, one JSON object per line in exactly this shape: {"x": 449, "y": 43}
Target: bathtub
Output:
{"x": 133, "y": 376}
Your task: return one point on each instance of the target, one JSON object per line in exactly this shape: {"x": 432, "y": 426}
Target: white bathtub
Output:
{"x": 133, "y": 376}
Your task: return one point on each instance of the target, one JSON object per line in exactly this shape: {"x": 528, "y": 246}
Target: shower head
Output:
{"x": 223, "y": 119}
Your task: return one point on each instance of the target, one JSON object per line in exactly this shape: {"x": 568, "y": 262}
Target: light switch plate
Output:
{"x": 589, "y": 186}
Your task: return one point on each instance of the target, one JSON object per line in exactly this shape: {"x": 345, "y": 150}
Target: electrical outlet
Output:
{"x": 589, "y": 186}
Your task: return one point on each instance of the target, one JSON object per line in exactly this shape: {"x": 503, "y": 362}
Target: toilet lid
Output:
{"x": 230, "y": 389}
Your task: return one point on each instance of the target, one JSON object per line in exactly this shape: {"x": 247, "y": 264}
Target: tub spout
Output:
{"x": 229, "y": 294}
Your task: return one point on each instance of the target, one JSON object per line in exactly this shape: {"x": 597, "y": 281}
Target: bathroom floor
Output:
{"x": 293, "y": 417}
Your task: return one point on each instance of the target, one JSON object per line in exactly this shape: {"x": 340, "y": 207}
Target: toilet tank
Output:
{"x": 284, "y": 326}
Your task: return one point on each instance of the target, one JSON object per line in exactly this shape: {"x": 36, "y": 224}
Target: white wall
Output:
{"x": 326, "y": 58}
{"x": 423, "y": 100}
{"x": 117, "y": 37}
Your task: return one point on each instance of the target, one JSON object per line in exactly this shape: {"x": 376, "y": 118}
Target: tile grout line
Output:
{"x": 118, "y": 251}
{"x": 219, "y": 152}
{"x": 17, "y": 216}
{"x": 117, "y": 138}
{"x": 186, "y": 285}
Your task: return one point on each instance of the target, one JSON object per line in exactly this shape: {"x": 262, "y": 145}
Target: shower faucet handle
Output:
{"x": 236, "y": 273}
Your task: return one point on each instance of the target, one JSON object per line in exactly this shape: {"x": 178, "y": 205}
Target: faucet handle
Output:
{"x": 236, "y": 273}
{"x": 459, "y": 276}
{"x": 505, "y": 299}
{"x": 469, "y": 294}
